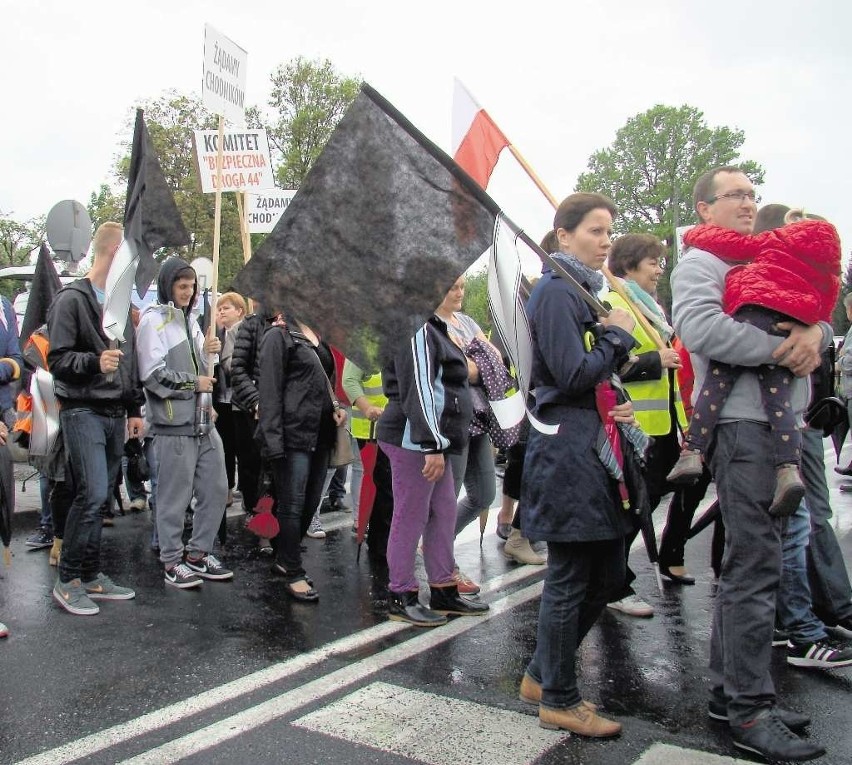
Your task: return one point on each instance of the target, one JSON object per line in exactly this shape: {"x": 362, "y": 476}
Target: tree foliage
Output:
{"x": 651, "y": 166}
{"x": 476, "y": 300}
{"x": 18, "y": 240}
{"x": 307, "y": 100}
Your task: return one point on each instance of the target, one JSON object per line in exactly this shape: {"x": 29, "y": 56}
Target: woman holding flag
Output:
{"x": 568, "y": 497}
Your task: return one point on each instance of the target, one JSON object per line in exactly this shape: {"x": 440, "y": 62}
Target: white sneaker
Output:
{"x": 315, "y": 530}
{"x": 632, "y": 605}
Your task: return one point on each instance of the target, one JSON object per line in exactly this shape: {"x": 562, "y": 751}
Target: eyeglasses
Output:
{"x": 738, "y": 196}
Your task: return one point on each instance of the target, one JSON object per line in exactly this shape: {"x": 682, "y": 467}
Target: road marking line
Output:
{"x": 201, "y": 702}
{"x": 251, "y": 719}
{"x": 666, "y": 754}
{"x": 403, "y": 721}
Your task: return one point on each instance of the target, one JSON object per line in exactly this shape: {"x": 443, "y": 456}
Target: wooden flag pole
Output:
{"x": 245, "y": 235}
{"x": 614, "y": 283}
{"x": 217, "y": 230}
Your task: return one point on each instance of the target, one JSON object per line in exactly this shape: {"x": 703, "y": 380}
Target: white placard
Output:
{"x": 264, "y": 209}
{"x": 245, "y": 160}
{"x": 223, "y": 84}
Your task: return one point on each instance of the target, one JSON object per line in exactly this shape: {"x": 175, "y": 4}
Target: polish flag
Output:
{"x": 477, "y": 141}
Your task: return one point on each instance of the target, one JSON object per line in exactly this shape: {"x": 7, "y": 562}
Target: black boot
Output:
{"x": 446, "y": 600}
{"x": 405, "y": 607}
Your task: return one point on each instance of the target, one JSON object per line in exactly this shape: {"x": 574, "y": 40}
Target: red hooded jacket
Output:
{"x": 794, "y": 270}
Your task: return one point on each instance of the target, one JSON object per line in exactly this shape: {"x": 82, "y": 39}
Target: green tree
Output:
{"x": 651, "y": 166}
{"x": 476, "y": 300}
{"x": 307, "y": 100}
{"x": 18, "y": 240}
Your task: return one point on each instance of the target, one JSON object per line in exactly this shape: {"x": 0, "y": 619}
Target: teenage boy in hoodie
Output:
{"x": 101, "y": 398}
{"x": 172, "y": 356}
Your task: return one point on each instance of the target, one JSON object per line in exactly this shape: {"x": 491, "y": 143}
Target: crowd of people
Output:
{"x": 628, "y": 405}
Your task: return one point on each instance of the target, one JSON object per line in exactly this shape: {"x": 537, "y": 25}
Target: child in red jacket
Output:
{"x": 787, "y": 273}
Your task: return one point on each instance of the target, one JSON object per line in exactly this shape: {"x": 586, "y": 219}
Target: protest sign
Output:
{"x": 223, "y": 85}
{"x": 265, "y": 208}
{"x": 245, "y": 160}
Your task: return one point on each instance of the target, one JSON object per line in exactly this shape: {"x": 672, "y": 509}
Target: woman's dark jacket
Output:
{"x": 429, "y": 407}
{"x": 295, "y": 408}
{"x": 567, "y": 495}
{"x": 245, "y": 362}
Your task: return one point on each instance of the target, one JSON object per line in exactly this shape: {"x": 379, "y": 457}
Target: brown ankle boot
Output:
{"x": 578, "y": 719}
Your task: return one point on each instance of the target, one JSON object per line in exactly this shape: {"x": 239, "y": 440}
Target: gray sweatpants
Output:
{"x": 189, "y": 466}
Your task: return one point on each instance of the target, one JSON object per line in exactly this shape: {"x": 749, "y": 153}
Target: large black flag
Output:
{"x": 151, "y": 217}
{"x": 379, "y": 230}
{"x": 43, "y": 289}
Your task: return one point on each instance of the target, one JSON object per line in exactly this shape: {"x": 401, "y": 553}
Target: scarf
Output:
{"x": 650, "y": 309}
{"x": 580, "y": 271}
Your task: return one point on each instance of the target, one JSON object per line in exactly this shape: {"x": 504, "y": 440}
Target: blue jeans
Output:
{"x": 475, "y": 468}
{"x": 45, "y": 520}
{"x": 299, "y": 479}
{"x": 94, "y": 444}
{"x": 831, "y": 592}
{"x": 581, "y": 578}
{"x": 744, "y": 608}
{"x": 794, "y": 612}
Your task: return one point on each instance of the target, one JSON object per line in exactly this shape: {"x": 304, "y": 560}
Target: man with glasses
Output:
{"x": 744, "y": 614}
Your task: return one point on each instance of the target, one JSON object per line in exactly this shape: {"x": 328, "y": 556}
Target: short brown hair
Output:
{"x": 235, "y": 299}
{"x": 630, "y": 250}
{"x": 705, "y": 186}
{"x": 575, "y": 207}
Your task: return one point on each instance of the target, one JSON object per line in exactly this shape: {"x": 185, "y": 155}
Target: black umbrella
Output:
{"x": 838, "y": 436}
{"x": 704, "y": 520}
{"x": 7, "y": 500}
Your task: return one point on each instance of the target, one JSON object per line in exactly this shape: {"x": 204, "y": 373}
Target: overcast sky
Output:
{"x": 559, "y": 79}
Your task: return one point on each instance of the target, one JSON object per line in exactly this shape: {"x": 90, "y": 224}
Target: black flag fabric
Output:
{"x": 379, "y": 230}
{"x": 151, "y": 217}
{"x": 43, "y": 289}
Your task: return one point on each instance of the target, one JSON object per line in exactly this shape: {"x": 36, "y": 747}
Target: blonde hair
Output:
{"x": 235, "y": 299}
{"x": 107, "y": 235}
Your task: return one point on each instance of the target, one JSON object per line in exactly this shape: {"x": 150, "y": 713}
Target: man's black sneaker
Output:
{"x": 182, "y": 577}
{"x": 822, "y": 654}
{"x": 779, "y": 638}
{"x": 717, "y": 709}
{"x": 209, "y": 567}
{"x": 40, "y": 540}
{"x": 768, "y": 737}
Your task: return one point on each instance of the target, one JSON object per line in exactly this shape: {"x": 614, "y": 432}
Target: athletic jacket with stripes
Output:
{"x": 429, "y": 407}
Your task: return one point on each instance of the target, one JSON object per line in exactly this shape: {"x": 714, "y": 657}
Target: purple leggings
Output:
{"x": 421, "y": 509}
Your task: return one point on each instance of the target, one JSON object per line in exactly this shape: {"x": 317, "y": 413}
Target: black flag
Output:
{"x": 43, "y": 289}
{"x": 379, "y": 230}
{"x": 151, "y": 217}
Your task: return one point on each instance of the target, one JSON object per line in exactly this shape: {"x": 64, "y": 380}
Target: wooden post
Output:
{"x": 217, "y": 230}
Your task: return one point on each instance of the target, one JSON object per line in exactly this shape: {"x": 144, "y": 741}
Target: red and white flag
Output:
{"x": 477, "y": 141}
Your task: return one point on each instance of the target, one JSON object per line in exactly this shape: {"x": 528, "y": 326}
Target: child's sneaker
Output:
{"x": 687, "y": 469}
{"x": 789, "y": 491}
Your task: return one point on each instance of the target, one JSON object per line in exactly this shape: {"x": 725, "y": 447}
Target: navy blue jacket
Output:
{"x": 567, "y": 495}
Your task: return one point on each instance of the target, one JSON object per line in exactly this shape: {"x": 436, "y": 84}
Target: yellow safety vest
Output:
{"x": 362, "y": 427}
{"x": 650, "y": 397}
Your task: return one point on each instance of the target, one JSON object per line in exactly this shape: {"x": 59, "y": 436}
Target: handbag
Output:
{"x": 826, "y": 414}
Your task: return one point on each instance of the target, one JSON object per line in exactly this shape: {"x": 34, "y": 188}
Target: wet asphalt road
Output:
{"x": 238, "y": 673}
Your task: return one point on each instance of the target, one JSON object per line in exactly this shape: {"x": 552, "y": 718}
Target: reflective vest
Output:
{"x": 651, "y": 398}
{"x": 362, "y": 427}
{"x": 35, "y": 354}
